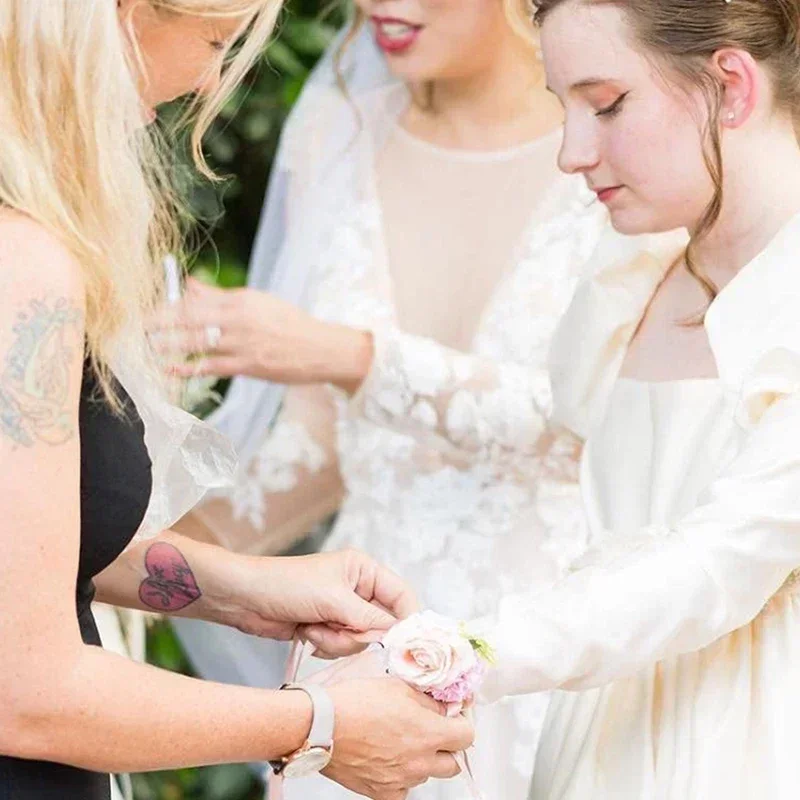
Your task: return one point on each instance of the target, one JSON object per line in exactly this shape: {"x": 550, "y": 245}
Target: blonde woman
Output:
{"x": 91, "y": 454}
{"x": 443, "y": 247}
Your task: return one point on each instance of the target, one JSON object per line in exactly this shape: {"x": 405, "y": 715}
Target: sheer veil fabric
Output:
{"x": 276, "y": 263}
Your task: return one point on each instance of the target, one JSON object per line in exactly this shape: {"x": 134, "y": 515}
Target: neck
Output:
{"x": 503, "y": 104}
{"x": 757, "y": 202}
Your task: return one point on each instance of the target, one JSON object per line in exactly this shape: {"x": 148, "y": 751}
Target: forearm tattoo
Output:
{"x": 35, "y": 383}
{"x": 170, "y": 584}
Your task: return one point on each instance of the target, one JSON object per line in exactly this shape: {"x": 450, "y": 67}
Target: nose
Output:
{"x": 580, "y": 150}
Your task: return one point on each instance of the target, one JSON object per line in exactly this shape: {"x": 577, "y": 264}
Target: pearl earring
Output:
{"x": 731, "y": 116}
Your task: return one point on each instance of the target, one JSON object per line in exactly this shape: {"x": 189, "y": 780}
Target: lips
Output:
{"x": 395, "y": 35}
{"x": 606, "y": 194}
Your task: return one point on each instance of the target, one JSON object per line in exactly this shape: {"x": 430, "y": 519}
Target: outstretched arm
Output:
{"x": 669, "y": 589}
{"x": 339, "y": 600}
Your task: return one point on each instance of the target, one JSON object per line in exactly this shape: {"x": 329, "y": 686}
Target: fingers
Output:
{"x": 440, "y": 709}
{"x": 218, "y": 366}
{"x": 382, "y": 587}
{"x": 394, "y": 594}
{"x": 187, "y": 340}
{"x": 444, "y": 766}
{"x": 331, "y": 643}
{"x": 201, "y": 305}
{"x": 354, "y": 610}
{"x": 456, "y": 734}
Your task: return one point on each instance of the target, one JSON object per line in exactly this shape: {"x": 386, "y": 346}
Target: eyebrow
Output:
{"x": 587, "y": 83}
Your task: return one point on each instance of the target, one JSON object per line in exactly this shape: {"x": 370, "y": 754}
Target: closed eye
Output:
{"x": 217, "y": 45}
{"x": 614, "y": 108}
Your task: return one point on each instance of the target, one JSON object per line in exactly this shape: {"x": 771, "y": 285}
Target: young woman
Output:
{"x": 91, "y": 455}
{"x": 677, "y": 637}
{"x": 444, "y": 246}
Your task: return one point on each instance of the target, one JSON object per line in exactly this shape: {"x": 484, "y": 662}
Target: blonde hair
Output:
{"x": 76, "y": 157}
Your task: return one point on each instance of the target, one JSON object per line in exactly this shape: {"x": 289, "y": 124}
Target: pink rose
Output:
{"x": 429, "y": 652}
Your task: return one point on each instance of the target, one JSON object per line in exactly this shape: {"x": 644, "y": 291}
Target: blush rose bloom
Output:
{"x": 429, "y": 652}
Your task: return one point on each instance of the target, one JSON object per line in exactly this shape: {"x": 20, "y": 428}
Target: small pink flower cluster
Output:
{"x": 464, "y": 688}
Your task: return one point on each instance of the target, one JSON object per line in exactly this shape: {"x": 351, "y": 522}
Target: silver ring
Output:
{"x": 213, "y": 336}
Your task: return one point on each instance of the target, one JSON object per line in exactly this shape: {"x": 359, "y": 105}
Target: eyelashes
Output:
{"x": 217, "y": 45}
{"x": 614, "y": 108}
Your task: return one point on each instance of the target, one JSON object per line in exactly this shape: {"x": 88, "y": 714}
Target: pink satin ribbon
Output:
{"x": 275, "y": 782}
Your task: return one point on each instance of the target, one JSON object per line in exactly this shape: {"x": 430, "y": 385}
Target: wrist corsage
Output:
{"x": 439, "y": 657}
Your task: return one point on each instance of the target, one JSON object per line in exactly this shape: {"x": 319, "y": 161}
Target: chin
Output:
{"x": 636, "y": 221}
{"x": 417, "y": 68}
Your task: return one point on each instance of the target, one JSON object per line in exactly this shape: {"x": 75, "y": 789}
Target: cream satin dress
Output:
{"x": 676, "y": 638}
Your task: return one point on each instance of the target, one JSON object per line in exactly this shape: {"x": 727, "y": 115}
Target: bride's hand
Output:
{"x": 369, "y": 664}
{"x": 232, "y": 332}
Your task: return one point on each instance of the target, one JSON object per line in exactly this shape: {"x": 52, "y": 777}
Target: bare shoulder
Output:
{"x": 41, "y": 334}
{"x": 32, "y": 259}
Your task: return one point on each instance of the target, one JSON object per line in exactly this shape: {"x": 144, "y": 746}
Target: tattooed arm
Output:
{"x": 64, "y": 701}
{"x": 263, "y": 596}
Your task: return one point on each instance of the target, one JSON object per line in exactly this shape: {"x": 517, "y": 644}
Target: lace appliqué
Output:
{"x": 275, "y": 468}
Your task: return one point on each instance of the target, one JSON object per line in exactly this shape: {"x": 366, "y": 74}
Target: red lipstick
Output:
{"x": 394, "y": 35}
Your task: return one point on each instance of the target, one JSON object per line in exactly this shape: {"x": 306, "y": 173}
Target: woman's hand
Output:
{"x": 229, "y": 332}
{"x": 370, "y": 664}
{"x": 339, "y": 602}
{"x": 389, "y": 738}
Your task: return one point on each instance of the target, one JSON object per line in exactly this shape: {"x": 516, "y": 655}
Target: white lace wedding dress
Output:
{"x": 442, "y": 466}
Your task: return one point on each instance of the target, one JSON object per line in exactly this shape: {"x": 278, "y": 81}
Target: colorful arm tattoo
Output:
{"x": 34, "y": 387}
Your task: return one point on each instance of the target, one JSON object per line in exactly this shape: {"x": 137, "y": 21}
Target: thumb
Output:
{"x": 360, "y": 615}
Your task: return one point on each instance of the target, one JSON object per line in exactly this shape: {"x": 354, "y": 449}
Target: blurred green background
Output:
{"x": 241, "y": 147}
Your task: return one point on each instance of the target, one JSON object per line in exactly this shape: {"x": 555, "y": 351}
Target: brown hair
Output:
{"x": 686, "y": 33}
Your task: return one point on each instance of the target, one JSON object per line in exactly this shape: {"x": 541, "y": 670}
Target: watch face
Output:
{"x": 307, "y": 763}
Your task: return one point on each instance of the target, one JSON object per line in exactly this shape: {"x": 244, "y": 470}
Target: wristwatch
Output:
{"x": 317, "y": 752}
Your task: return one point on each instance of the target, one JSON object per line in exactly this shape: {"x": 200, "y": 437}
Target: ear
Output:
{"x": 741, "y": 80}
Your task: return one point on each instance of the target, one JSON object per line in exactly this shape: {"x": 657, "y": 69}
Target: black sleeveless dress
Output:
{"x": 115, "y": 490}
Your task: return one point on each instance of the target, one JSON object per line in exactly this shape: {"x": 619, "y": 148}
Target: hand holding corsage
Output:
{"x": 438, "y": 656}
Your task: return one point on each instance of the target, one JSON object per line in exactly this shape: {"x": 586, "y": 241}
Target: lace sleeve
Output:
{"x": 666, "y": 590}
{"x": 498, "y": 401}
{"x": 476, "y": 404}
{"x": 291, "y": 484}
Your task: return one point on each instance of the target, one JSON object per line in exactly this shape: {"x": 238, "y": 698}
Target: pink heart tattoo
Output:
{"x": 171, "y": 585}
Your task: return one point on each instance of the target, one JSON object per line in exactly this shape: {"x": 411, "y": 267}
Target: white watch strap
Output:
{"x": 323, "y": 715}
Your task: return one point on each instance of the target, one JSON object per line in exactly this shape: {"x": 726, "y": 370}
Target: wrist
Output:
{"x": 297, "y": 714}
{"x": 347, "y": 356}
{"x": 233, "y": 587}
{"x": 316, "y": 751}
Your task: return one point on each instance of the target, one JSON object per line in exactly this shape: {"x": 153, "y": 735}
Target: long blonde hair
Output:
{"x": 76, "y": 158}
